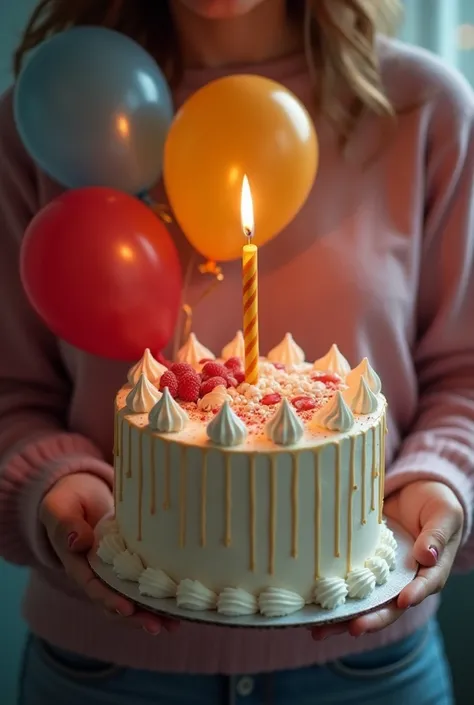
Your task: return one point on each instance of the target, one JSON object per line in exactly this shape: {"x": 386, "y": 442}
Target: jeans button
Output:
{"x": 245, "y": 686}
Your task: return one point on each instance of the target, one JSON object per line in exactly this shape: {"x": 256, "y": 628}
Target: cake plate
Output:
{"x": 311, "y": 615}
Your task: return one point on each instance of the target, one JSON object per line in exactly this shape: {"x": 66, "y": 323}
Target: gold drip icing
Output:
{"x": 120, "y": 457}
{"x": 228, "y": 500}
{"x": 363, "y": 471}
{"x": 252, "y": 510}
{"x": 317, "y": 514}
{"x": 140, "y": 486}
{"x": 352, "y": 489}
{"x": 152, "y": 476}
{"x": 129, "y": 468}
{"x": 167, "y": 490}
{"x": 382, "y": 468}
{"x": 294, "y": 504}
{"x": 374, "y": 469}
{"x": 182, "y": 497}
{"x": 204, "y": 498}
{"x": 337, "y": 493}
{"x": 272, "y": 528}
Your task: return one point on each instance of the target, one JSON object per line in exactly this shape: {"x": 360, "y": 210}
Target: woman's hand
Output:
{"x": 69, "y": 513}
{"x": 432, "y": 514}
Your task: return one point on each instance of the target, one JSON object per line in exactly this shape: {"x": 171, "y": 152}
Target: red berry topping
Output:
{"x": 214, "y": 369}
{"x": 327, "y": 378}
{"x": 239, "y": 376}
{"x": 182, "y": 368}
{"x": 168, "y": 379}
{"x": 278, "y": 365}
{"x": 232, "y": 382}
{"x": 270, "y": 399}
{"x": 211, "y": 384}
{"x": 303, "y": 403}
{"x": 189, "y": 386}
{"x": 233, "y": 363}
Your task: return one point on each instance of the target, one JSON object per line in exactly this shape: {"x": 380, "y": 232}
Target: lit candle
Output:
{"x": 250, "y": 286}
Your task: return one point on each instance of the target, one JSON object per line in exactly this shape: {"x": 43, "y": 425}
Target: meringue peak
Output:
{"x": 143, "y": 396}
{"x": 193, "y": 352}
{"x": 285, "y": 428}
{"x": 335, "y": 415}
{"x": 226, "y": 429}
{"x": 333, "y": 361}
{"x": 167, "y": 416}
{"x": 287, "y": 352}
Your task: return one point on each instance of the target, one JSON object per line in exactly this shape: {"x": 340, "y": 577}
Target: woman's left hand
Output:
{"x": 433, "y": 515}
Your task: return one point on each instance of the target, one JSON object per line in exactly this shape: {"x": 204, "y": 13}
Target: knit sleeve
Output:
{"x": 440, "y": 445}
{"x": 35, "y": 447}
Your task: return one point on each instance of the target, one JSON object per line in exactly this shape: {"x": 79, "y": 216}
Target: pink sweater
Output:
{"x": 380, "y": 260}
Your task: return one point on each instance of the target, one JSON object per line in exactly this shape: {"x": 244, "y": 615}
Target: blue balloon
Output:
{"x": 93, "y": 109}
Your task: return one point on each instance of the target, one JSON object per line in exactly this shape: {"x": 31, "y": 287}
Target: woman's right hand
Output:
{"x": 69, "y": 513}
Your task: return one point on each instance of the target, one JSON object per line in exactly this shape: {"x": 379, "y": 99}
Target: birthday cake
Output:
{"x": 250, "y": 498}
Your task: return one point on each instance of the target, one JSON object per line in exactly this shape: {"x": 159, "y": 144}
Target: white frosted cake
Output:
{"x": 248, "y": 498}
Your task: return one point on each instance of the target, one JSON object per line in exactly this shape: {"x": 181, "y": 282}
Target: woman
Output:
{"x": 379, "y": 260}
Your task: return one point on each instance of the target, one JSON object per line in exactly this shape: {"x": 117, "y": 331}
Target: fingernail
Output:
{"x": 71, "y": 539}
{"x": 120, "y": 613}
{"x": 153, "y": 631}
{"x": 434, "y": 552}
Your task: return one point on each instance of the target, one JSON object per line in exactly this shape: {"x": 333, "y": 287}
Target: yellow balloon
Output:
{"x": 236, "y": 126}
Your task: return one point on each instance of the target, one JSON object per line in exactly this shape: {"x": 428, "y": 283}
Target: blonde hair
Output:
{"x": 340, "y": 39}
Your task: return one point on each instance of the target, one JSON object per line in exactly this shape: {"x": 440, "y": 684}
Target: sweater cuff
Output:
{"x": 424, "y": 465}
{"x": 27, "y": 477}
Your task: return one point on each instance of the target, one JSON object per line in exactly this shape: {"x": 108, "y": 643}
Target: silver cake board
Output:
{"x": 311, "y": 615}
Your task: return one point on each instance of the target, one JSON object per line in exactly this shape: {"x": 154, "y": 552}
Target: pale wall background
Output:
{"x": 443, "y": 26}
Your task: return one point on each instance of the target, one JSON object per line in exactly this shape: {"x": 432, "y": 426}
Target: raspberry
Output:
{"x": 181, "y": 368}
{"x": 211, "y": 384}
{"x": 233, "y": 363}
{"x": 270, "y": 399}
{"x": 239, "y": 376}
{"x": 327, "y": 378}
{"x": 214, "y": 369}
{"x": 232, "y": 382}
{"x": 189, "y": 386}
{"x": 168, "y": 379}
{"x": 303, "y": 403}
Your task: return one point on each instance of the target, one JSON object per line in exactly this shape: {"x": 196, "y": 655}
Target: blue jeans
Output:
{"x": 413, "y": 671}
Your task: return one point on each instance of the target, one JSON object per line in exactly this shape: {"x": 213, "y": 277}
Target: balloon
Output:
{"x": 102, "y": 272}
{"x": 236, "y": 126}
{"x": 93, "y": 109}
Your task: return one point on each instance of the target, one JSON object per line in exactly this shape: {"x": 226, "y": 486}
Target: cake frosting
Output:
{"x": 251, "y": 498}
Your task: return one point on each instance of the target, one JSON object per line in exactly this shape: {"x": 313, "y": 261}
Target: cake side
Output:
{"x": 251, "y": 520}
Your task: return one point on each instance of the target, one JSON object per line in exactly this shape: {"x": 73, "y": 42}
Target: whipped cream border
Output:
{"x": 358, "y": 584}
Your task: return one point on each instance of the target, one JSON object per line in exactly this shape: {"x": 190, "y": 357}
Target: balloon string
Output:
{"x": 207, "y": 268}
{"x": 184, "y": 329}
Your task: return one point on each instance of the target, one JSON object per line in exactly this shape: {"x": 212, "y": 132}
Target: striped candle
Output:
{"x": 250, "y": 287}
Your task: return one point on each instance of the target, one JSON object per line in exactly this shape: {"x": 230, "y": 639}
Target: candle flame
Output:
{"x": 246, "y": 209}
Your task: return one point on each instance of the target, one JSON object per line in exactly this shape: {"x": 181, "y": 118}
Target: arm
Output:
{"x": 440, "y": 445}
{"x": 35, "y": 447}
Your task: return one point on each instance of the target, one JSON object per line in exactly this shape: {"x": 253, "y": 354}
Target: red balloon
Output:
{"x": 101, "y": 270}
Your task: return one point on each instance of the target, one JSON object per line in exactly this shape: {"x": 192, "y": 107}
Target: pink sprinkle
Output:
{"x": 270, "y": 399}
